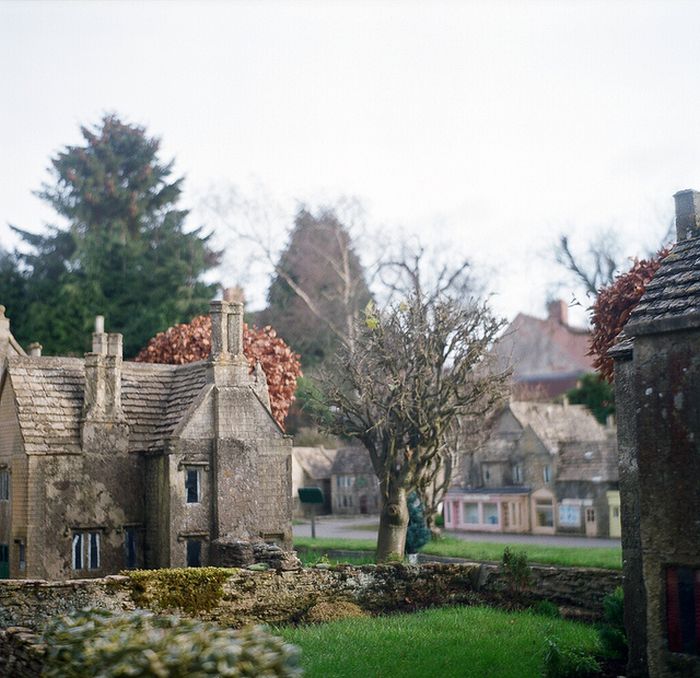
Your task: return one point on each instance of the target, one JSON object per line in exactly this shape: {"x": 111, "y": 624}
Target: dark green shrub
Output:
{"x": 516, "y": 571}
{"x": 564, "y": 662}
{"x": 612, "y": 635}
{"x": 115, "y": 645}
{"x": 417, "y": 534}
{"x": 546, "y": 608}
{"x": 439, "y": 520}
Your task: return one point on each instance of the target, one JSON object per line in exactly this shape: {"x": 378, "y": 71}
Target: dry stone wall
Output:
{"x": 276, "y": 596}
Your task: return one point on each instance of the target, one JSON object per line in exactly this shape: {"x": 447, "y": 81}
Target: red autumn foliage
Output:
{"x": 189, "y": 342}
{"x": 613, "y": 306}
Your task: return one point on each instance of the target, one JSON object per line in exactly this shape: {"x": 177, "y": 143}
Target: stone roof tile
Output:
{"x": 49, "y": 397}
{"x": 673, "y": 296}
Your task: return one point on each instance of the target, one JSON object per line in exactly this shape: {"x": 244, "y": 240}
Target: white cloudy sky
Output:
{"x": 486, "y": 128}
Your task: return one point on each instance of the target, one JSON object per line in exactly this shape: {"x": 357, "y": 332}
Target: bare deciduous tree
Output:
{"x": 414, "y": 370}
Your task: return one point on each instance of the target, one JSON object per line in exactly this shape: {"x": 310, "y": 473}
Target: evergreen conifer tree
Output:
{"x": 125, "y": 253}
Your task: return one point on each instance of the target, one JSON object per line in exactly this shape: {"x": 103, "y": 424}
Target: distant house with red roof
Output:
{"x": 548, "y": 356}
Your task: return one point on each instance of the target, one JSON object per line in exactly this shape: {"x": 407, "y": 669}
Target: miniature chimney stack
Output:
{"x": 687, "y": 214}
{"x": 103, "y": 376}
{"x": 558, "y": 311}
{"x": 227, "y": 341}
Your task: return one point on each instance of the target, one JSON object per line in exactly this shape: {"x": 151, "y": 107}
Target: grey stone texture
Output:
{"x": 101, "y": 446}
{"x": 278, "y": 596}
{"x": 658, "y": 398}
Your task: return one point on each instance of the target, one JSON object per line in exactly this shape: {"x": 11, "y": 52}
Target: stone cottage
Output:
{"x": 657, "y": 391}
{"x": 545, "y": 468}
{"x": 106, "y": 464}
{"x": 354, "y": 483}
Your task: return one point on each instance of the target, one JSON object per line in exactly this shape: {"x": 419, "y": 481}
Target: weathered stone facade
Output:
{"x": 112, "y": 465}
{"x": 657, "y": 385}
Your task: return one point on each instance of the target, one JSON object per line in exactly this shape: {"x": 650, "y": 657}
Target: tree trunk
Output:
{"x": 393, "y": 522}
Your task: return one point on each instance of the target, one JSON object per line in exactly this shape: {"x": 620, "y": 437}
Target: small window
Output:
{"x": 94, "y": 550}
{"x": 194, "y": 553}
{"x": 78, "y": 551}
{"x": 130, "y": 546}
{"x": 192, "y": 488}
{"x": 4, "y": 485}
{"x": 490, "y": 512}
{"x": 470, "y": 512}
{"x": 448, "y": 513}
{"x": 616, "y": 511}
{"x": 590, "y": 515}
{"x": 22, "y": 556}
{"x": 517, "y": 474}
{"x": 547, "y": 473}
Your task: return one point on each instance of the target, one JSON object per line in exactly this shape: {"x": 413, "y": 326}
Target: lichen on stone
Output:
{"x": 191, "y": 590}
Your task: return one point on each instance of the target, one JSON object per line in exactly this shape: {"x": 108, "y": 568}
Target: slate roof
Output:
{"x": 673, "y": 295}
{"x": 352, "y": 461}
{"x": 49, "y": 395}
{"x": 317, "y": 462}
{"x": 588, "y": 461}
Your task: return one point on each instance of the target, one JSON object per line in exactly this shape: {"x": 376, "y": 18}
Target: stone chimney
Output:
{"x": 103, "y": 376}
{"x": 687, "y": 214}
{"x": 35, "y": 349}
{"x": 227, "y": 355}
{"x": 558, "y": 311}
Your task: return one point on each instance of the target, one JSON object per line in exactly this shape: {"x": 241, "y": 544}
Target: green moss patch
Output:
{"x": 191, "y": 590}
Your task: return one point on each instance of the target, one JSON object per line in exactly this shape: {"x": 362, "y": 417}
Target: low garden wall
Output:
{"x": 238, "y": 597}
{"x": 241, "y": 596}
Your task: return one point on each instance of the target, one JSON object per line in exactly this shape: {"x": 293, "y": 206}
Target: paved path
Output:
{"x": 360, "y": 527}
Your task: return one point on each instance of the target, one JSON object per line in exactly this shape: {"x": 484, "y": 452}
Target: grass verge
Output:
{"x": 446, "y": 642}
{"x": 609, "y": 558}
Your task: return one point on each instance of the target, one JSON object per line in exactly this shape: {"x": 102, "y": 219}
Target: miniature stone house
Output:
{"x": 545, "y": 468}
{"x": 657, "y": 387}
{"x": 106, "y": 464}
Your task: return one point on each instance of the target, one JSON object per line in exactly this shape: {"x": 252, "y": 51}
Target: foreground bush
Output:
{"x": 103, "y": 644}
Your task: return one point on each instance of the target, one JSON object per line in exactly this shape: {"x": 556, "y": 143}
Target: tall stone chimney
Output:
{"x": 227, "y": 357}
{"x": 103, "y": 417}
{"x": 687, "y": 214}
{"x": 558, "y": 311}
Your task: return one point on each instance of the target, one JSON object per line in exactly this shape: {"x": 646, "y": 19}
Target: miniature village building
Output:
{"x": 544, "y": 468}
{"x": 657, "y": 393}
{"x": 547, "y": 356}
{"x": 106, "y": 464}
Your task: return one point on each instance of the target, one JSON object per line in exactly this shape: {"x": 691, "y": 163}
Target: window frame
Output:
{"x": 197, "y": 475}
{"x": 5, "y": 482}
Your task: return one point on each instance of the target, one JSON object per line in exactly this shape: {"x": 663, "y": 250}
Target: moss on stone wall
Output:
{"x": 190, "y": 590}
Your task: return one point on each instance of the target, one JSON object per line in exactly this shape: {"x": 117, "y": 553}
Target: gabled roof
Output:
{"x": 588, "y": 461}
{"x": 49, "y": 395}
{"x": 352, "y": 460}
{"x": 317, "y": 462}
{"x": 555, "y": 424}
{"x": 672, "y": 297}
{"x": 539, "y": 348}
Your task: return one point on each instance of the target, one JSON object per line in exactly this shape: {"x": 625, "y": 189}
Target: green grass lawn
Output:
{"x": 441, "y": 643}
{"x": 606, "y": 557}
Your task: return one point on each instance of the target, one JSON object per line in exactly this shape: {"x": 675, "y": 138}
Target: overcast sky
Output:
{"x": 487, "y": 128}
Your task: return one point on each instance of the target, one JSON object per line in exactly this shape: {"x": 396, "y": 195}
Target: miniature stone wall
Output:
{"x": 279, "y": 597}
